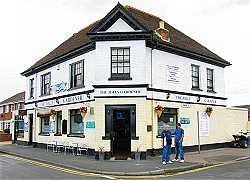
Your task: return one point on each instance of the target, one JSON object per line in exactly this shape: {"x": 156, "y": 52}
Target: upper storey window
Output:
{"x": 32, "y": 88}
{"x": 77, "y": 74}
{"x": 195, "y": 77}
{"x": 210, "y": 80}
{"x": 120, "y": 63}
{"x": 45, "y": 84}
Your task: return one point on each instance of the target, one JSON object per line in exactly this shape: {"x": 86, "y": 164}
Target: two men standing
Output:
{"x": 167, "y": 142}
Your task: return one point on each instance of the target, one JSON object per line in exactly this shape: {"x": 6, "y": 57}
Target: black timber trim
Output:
{"x": 120, "y": 97}
{"x": 119, "y": 36}
{"x": 118, "y": 12}
{"x": 183, "y": 93}
{"x": 120, "y": 86}
{"x": 184, "y": 102}
{"x": 185, "y": 53}
{"x": 58, "y": 97}
{"x": 57, "y": 60}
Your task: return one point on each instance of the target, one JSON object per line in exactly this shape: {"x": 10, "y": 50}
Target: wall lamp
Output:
{"x": 168, "y": 96}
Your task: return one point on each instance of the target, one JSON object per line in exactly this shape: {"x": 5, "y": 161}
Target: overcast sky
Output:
{"x": 32, "y": 28}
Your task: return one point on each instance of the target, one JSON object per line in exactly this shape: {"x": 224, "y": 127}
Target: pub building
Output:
{"x": 113, "y": 85}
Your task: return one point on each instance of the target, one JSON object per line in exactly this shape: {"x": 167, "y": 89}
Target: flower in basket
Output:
{"x": 53, "y": 113}
{"x": 83, "y": 110}
{"x": 209, "y": 111}
{"x": 158, "y": 110}
{"x": 101, "y": 149}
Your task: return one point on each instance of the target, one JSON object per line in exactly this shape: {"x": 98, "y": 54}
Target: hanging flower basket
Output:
{"x": 209, "y": 111}
{"x": 158, "y": 110}
{"x": 83, "y": 110}
{"x": 53, "y": 113}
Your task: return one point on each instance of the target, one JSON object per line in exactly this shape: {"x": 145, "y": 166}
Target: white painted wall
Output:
{"x": 162, "y": 59}
{"x": 120, "y": 26}
{"x": 60, "y": 73}
{"x": 137, "y": 62}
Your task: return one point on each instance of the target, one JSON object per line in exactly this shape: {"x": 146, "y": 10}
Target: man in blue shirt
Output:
{"x": 179, "y": 135}
{"x": 166, "y": 144}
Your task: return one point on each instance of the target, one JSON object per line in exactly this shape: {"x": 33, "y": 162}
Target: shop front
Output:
{"x": 124, "y": 121}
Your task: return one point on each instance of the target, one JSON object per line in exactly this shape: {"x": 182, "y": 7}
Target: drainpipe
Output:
{"x": 35, "y": 119}
{"x": 152, "y": 104}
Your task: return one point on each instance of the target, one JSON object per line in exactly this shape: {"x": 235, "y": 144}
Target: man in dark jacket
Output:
{"x": 166, "y": 145}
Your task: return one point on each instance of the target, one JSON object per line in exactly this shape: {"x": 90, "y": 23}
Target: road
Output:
{"x": 18, "y": 168}
{"x": 234, "y": 171}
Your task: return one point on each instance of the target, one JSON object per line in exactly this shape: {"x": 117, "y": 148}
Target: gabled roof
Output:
{"x": 19, "y": 97}
{"x": 140, "y": 19}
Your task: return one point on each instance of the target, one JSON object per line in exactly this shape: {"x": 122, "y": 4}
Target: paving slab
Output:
{"x": 151, "y": 166}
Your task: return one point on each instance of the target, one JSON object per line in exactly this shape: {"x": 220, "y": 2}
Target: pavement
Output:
{"x": 151, "y": 166}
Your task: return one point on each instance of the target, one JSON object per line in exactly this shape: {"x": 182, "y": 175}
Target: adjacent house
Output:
{"x": 9, "y": 110}
{"x": 115, "y": 83}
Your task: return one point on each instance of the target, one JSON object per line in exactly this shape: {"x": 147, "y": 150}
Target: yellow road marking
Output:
{"x": 80, "y": 173}
{"x": 181, "y": 173}
{"x": 61, "y": 169}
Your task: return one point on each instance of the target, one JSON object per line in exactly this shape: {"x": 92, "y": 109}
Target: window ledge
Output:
{"x": 135, "y": 138}
{"x": 196, "y": 89}
{"x": 76, "y": 135}
{"x": 160, "y": 136}
{"x": 57, "y": 134}
{"x": 44, "y": 95}
{"x": 44, "y": 134}
{"x": 119, "y": 78}
{"x": 209, "y": 91}
{"x": 75, "y": 88}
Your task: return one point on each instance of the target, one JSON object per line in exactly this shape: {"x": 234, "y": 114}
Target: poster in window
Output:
{"x": 52, "y": 126}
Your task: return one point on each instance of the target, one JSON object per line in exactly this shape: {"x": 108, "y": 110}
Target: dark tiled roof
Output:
{"x": 151, "y": 22}
{"x": 177, "y": 38}
{"x": 16, "y": 98}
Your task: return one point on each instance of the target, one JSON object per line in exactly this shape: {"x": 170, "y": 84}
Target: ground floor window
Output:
{"x": 58, "y": 122}
{"x": 7, "y": 125}
{"x": 169, "y": 117}
{"x": 45, "y": 128}
{"x": 76, "y": 122}
{"x": 20, "y": 128}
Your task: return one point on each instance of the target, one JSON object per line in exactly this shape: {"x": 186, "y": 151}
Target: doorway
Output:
{"x": 121, "y": 141}
{"x": 30, "y": 129}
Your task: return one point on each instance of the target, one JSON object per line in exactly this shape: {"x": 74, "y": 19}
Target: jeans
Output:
{"x": 165, "y": 153}
{"x": 179, "y": 150}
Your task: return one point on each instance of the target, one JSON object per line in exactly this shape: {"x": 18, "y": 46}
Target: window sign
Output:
{"x": 52, "y": 126}
{"x": 26, "y": 126}
{"x": 184, "y": 120}
{"x": 90, "y": 124}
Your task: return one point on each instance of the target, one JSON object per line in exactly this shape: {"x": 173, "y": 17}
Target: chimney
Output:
{"x": 161, "y": 24}
{"x": 162, "y": 32}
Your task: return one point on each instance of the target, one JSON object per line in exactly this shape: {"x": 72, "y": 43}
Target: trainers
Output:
{"x": 175, "y": 160}
{"x": 182, "y": 161}
{"x": 169, "y": 162}
{"x": 164, "y": 162}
